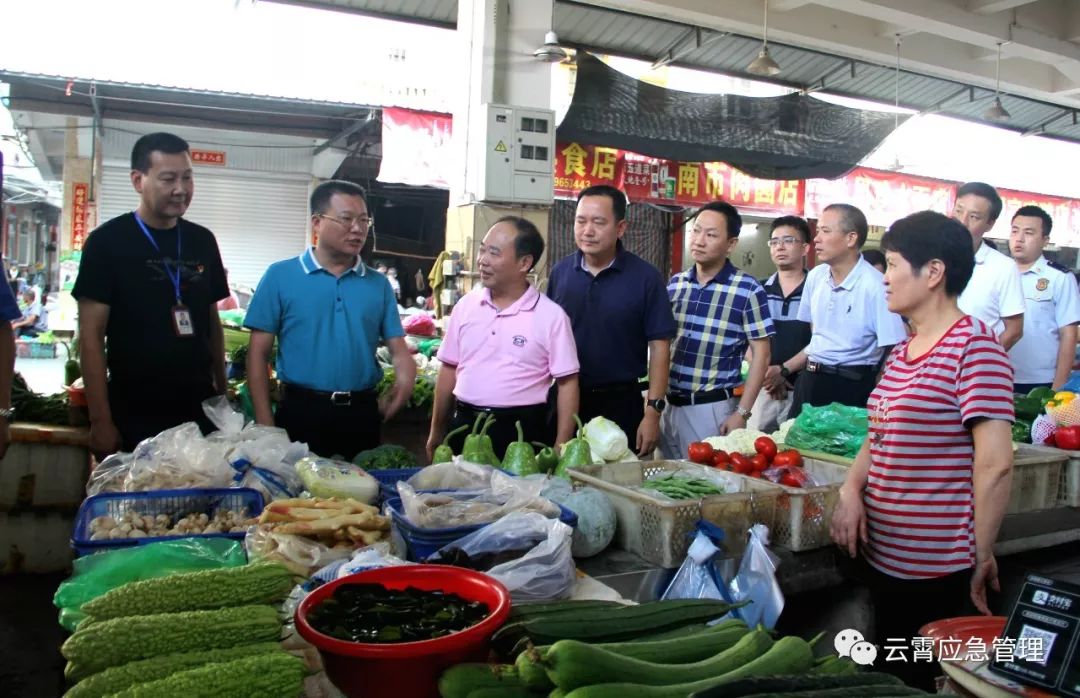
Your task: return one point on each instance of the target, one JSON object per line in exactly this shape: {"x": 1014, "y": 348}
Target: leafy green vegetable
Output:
{"x": 385, "y": 457}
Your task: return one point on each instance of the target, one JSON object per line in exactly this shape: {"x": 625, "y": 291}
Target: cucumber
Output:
{"x": 461, "y": 680}
{"x": 613, "y": 625}
{"x": 572, "y": 664}
{"x": 855, "y": 692}
{"x": 680, "y": 650}
{"x": 557, "y": 693}
{"x": 501, "y": 693}
{"x": 778, "y": 684}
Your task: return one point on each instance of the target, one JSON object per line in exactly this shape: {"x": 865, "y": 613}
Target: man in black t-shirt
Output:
{"x": 148, "y": 286}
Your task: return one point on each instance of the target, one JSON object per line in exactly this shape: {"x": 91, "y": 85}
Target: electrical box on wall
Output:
{"x": 519, "y": 159}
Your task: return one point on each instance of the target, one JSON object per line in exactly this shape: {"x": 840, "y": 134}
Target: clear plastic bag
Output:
{"x": 179, "y": 458}
{"x": 221, "y": 414}
{"x": 110, "y": 474}
{"x": 455, "y": 508}
{"x": 456, "y": 475}
{"x": 545, "y": 571}
{"x": 301, "y": 555}
{"x": 756, "y": 581}
{"x": 265, "y": 460}
{"x": 698, "y": 576}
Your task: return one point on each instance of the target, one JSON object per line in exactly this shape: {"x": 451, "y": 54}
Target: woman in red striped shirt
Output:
{"x": 927, "y": 492}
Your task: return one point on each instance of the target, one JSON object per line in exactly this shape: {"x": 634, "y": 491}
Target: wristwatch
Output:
{"x": 784, "y": 372}
{"x": 658, "y": 404}
{"x": 745, "y": 414}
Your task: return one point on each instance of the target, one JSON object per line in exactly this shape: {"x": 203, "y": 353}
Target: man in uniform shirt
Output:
{"x": 504, "y": 344}
{"x": 719, "y": 310}
{"x": 1044, "y": 355}
{"x": 623, "y": 326}
{"x": 844, "y": 302}
{"x": 328, "y": 312}
{"x": 994, "y": 294}
{"x": 787, "y": 247}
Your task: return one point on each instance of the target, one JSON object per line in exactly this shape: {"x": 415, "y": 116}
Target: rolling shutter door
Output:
{"x": 257, "y": 219}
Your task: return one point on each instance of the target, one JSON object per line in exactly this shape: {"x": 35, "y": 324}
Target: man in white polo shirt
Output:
{"x": 844, "y": 302}
{"x": 1044, "y": 355}
{"x": 994, "y": 294}
{"x": 504, "y": 345}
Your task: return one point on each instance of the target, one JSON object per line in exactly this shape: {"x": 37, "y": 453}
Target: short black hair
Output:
{"x": 796, "y": 222}
{"x": 874, "y": 257}
{"x": 729, "y": 212}
{"x": 928, "y": 235}
{"x": 161, "y": 142}
{"x": 320, "y": 197}
{"x": 984, "y": 190}
{"x": 1037, "y": 212}
{"x": 853, "y": 220}
{"x": 618, "y": 199}
{"x": 528, "y": 240}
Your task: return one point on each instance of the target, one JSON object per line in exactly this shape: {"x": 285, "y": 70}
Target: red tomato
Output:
{"x": 759, "y": 462}
{"x": 790, "y": 480}
{"x": 788, "y": 457}
{"x": 765, "y": 446}
{"x": 700, "y": 452}
{"x": 1067, "y": 438}
{"x": 740, "y": 464}
{"x": 721, "y": 459}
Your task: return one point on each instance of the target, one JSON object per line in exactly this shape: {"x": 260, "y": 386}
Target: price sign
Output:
{"x": 1045, "y": 626}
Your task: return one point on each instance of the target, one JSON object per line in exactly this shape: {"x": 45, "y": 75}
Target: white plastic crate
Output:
{"x": 657, "y": 528}
{"x": 1037, "y": 478}
{"x": 803, "y": 514}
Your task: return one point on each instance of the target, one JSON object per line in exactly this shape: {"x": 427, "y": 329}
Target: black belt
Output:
{"x": 705, "y": 397}
{"x": 338, "y": 398}
{"x": 628, "y": 386}
{"x": 475, "y": 409}
{"x": 851, "y": 373}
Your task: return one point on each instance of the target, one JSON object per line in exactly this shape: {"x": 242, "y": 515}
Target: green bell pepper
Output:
{"x": 546, "y": 458}
{"x": 520, "y": 459}
{"x": 1021, "y": 431}
{"x": 1043, "y": 395}
{"x": 1027, "y": 407}
{"x": 575, "y": 453}
{"x": 443, "y": 452}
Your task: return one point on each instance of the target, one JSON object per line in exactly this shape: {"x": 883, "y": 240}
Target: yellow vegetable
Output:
{"x": 1064, "y": 397}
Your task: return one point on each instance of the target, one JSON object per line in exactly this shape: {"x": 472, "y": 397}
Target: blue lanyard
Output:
{"x": 174, "y": 275}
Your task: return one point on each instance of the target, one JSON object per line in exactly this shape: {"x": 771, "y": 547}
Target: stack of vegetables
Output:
{"x": 208, "y": 633}
{"x": 1048, "y": 417}
{"x": 662, "y": 649}
{"x": 1028, "y": 408}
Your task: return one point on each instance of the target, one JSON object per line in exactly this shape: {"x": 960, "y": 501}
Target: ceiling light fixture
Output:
{"x": 551, "y": 52}
{"x": 764, "y": 65}
{"x": 997, "y": 112}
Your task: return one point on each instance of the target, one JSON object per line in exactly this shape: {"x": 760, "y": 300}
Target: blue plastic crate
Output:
{"x": 154, "y": 502}
{"x": 422, "y": 543}
{"x": 388, "y": 480}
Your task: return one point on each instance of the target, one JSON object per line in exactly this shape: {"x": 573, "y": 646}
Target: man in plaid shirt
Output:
{"x": 719, "y": 310}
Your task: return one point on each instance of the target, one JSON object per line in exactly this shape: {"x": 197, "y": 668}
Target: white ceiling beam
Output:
{"x": 989, "y": 7}
{"x": 891, "y": 30}
{"x": 787, "y": 5}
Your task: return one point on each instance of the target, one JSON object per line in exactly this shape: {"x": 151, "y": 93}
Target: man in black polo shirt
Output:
{"x": 788, "y": 244}
{"x": 148, "y": 286}
{"x": 622, "y": 319}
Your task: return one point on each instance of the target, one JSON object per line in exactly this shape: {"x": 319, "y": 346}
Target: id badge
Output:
{"x": 181, "y": 318}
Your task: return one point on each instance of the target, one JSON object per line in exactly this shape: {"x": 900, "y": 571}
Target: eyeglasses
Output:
{"x": 364, "y": 222}
{"x": 786, "y": 240}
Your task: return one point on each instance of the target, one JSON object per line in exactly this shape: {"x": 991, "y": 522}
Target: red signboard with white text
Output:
{"x": 883, "y": 196}
{"x": 416, "y": 148}
{"x": 1064, "y": 212}
{"x": 80, "y": 206}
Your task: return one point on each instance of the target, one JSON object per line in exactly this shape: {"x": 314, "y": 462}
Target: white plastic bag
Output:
{"x": 264, "y": 459}
{"x": 698, "y": 576}
{"x": 179, "y": 458}
{"x": 455, "y": 508}
{"x": 546, "y": 571}
{"x": 456, "y": 475}
{"x": 756, "y": 581}
{"x": 221, "y": 414}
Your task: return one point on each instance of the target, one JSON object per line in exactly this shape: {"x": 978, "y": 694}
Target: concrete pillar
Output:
{"x": 497, "y": 39}
{"x": 78, "y": 180}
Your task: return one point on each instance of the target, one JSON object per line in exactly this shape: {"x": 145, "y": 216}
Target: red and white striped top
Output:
{"x": 919, "y": 494}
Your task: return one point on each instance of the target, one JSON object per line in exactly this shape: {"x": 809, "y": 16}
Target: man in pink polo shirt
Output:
{"x": 504, "y": 345}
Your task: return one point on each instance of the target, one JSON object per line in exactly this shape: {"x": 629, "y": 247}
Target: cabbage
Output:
{"x": 606, "y": 439}
{"x": 737, "y": 441}
{"x": 595, "y": 512}
{"x": 324, "y": 477}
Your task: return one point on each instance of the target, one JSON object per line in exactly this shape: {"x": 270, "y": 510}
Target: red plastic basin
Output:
{"x": 406, "y": 669}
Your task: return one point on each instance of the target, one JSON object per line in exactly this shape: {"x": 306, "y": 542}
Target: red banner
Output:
{"x": 670, "y": 182}
{"x": 1064, "y": 212}
{"x": 208, "y": 157}
{"x": 416, "y": 148}
{"x": 883, "y": 196}
{"x": 80, "y": 191}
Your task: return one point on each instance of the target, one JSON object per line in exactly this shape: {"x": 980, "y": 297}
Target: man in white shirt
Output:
{"x": 844, "y": 302}
{"x": 1044, "y": 355}
{"x": 994, "y": 294}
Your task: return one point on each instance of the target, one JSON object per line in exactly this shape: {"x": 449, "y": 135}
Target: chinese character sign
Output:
{"x": 1065, "y": 214}
{"x": 80, "y": 192}
{"x": 884, "y": 197}
{"x": 643, "y": 178}
{"x": 208, "y": 157}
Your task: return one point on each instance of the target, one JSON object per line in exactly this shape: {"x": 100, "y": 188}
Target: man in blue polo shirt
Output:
{"x": 328, "y": 311}
{"x": 623, "y": 326}
{"x": 719, "y": 311}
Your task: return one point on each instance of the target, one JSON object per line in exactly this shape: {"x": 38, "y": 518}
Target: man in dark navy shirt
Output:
{"x": 622, "y": 320}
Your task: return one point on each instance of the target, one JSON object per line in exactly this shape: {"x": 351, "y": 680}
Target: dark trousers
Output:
{"x": 1025, "y": 388}
{"x": 503, "y": 430}
{"x": 141, "y": 411}
{"x": 622, "y": 404}
{"x": 819, "y": 389}
{"x": 331, "y": 430}
{"x": 902, "y": 607}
